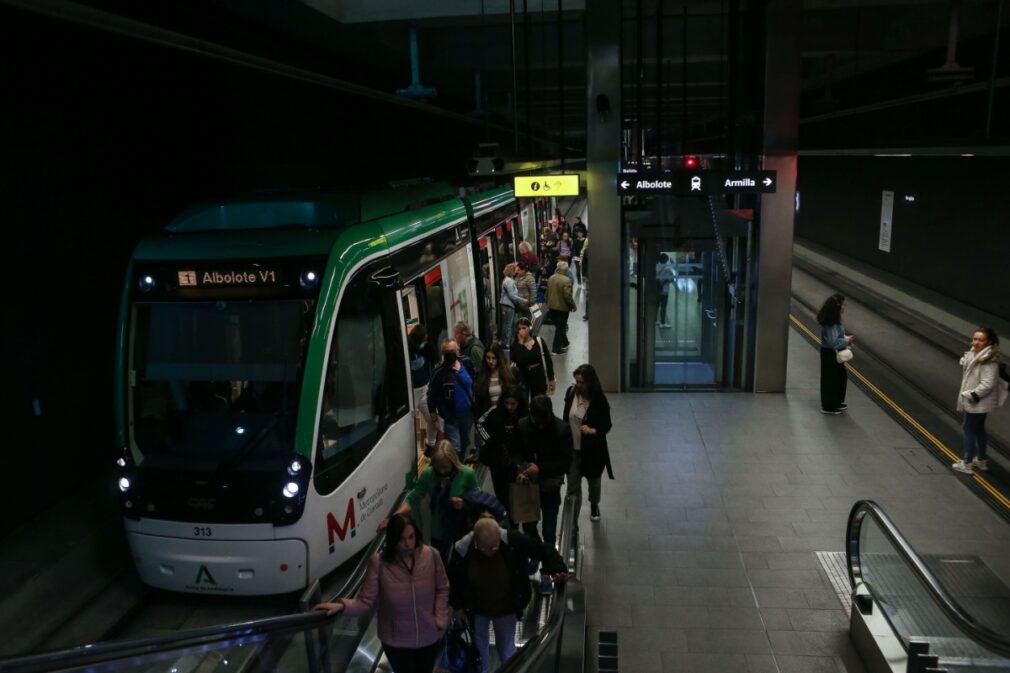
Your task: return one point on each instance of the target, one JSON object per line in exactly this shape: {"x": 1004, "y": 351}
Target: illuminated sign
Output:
{"x": 227, "y": 278}
{"x": 698, "y": 182}
{"x": 546, "y": 185}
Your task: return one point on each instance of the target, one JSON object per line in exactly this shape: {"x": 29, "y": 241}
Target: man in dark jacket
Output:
{"x": 545, "y": 442}
{"x": 450, "y": 397}
{"x": 488, "y": 581}
{"x": 469, "y": 346}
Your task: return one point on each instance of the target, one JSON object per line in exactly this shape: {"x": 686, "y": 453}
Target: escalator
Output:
{"x": 551, "y": 636}
{"x": 923, "y": 612}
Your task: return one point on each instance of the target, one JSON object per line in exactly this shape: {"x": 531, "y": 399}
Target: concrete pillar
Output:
{"x": 781, "y": 132}
{"x": 603, "y": 145}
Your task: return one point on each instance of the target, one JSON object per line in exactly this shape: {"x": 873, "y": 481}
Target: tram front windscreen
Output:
{"x": 216, "y": 382}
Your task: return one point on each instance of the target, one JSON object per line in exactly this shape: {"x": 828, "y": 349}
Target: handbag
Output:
{"x": 461, "y": 654}
{"x": 551, "y": 483}
{"x": 524, "y": 502}
{"x": 843, "y": 356}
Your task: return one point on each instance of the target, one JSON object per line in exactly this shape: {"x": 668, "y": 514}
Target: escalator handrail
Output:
{"x": 954, "y": 611}
{"x": 95, "y": 653}
{"x": 525, "y": 659}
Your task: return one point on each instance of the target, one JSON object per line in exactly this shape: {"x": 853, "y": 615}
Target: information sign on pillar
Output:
{"x": 698, "y": 183}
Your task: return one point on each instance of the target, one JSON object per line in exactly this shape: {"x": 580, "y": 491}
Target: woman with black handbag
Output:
{"x": 588, "y": 414}
{"x": 834, "y": 340}
{"x": 500, "y": 451}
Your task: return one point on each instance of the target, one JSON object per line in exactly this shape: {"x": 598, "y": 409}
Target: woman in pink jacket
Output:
{"x": 408, "y": 584}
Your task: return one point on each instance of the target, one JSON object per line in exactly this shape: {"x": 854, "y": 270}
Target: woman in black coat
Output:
{"x": 500, "y": 449}
{"x": 588, "y": 413}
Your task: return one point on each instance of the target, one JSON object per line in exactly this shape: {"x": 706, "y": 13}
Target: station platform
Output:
{"x": 706, "y": 557}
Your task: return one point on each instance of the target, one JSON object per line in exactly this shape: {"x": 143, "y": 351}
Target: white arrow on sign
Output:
{"x": 768, "y": 182}
{"x": 624, "y": 184}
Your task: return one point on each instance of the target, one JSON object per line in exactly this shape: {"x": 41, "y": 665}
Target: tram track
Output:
{"x": 910, "y": 373}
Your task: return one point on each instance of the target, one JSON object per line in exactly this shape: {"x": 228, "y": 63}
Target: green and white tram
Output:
{"x": 262, "y": 391}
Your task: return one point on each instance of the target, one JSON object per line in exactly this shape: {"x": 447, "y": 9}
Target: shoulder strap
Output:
{"x": 543, "y": 359}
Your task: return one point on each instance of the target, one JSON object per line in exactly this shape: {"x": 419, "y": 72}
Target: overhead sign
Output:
{"x": 686, "y": 183}
{"x": 546, "y": 185}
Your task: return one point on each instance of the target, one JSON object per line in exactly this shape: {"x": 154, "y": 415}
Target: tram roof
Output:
{"x": 322, "y": 210}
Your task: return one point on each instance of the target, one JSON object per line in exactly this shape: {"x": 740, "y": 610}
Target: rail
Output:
{"x": 97, "y": 653}
{"x": 952, "y": 609}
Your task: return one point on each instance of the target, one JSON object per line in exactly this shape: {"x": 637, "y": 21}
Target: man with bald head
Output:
{"x": 489, "y": 584}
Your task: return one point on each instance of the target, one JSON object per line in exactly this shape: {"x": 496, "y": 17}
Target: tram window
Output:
{"x": 217, "y": 382}
{"x": 365, "y": 389}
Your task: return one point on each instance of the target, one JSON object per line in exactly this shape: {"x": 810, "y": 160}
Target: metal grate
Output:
{"x": 836, "y": 568}
{"x": 606, "y": 654}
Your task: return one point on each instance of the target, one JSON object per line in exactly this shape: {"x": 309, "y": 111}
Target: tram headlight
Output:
{"x": 309, "y": 279}
{"x": 291, "y": 489}
{"x": 124, "y": 484}
{"x": 296, "y": 466}
{"x": 146, "y": 283}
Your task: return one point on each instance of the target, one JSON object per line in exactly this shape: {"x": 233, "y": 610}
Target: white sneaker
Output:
{"x": 982, "y": 464}
{"x": 961, "y": 466}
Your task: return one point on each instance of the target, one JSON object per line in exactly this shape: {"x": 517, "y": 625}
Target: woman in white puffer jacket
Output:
{"x": 982, "y": 391}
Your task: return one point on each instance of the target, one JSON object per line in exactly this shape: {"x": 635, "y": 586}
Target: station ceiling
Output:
{"x": 863, "y": 62}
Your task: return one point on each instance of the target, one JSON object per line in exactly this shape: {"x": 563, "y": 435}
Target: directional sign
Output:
{"x": 546, "y": 185}
{"x": 697, "y": 182}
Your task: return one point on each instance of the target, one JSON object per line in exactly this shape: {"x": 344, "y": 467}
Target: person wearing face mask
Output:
{"x": 982, "y": 391}
{"x": 501, "y": 450}
{"x": 545, "y": 442}
{"x": 450, "y": 396}
{"x": 445, "y": 482}
{"x": 588, "y": 415}
{"x": 489, "y": 586}
{"x": 407, "y": 584}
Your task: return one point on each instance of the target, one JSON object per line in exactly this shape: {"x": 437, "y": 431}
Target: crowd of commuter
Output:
{"x": 490, "y": 404}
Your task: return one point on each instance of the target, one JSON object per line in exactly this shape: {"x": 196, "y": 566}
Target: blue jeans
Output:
{"x": 974, "y": 436}
{"x": 508, "y": 325}
{"x": 504, "y": 638}
{"x": 458, "y": 433}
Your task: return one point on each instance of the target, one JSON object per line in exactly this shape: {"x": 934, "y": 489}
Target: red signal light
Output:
{"x": 690, "y": 162}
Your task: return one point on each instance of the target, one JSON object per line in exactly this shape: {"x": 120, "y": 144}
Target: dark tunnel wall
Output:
{"x": 103, "y": 139}
{"x": 952, "y": 239}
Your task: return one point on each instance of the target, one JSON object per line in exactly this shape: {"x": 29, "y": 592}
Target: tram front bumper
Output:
{"x": 237, "y": 567}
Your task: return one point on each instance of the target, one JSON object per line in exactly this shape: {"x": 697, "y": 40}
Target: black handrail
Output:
{"x": 90, "y": 654}
{"x": 960, "y": 617}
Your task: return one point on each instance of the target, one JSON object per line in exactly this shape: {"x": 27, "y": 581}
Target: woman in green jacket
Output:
{"x": 444, "y": 481}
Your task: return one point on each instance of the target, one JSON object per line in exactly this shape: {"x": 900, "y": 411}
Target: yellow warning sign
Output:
{"x": 546, "y": 185}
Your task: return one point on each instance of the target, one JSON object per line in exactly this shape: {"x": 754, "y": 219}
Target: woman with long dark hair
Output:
{"x": 501, "y": 451}
{"x": 833, "y": 339}
{"x": 982, "y": 391}
{"x": 588, "y": 413}
{"x": 408, "y": 585}
{"x": 495, "y": 376}
{"x": 532, "y": 360}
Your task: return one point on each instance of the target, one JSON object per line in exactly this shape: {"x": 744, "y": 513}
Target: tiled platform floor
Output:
{"x": 705, "y": 557}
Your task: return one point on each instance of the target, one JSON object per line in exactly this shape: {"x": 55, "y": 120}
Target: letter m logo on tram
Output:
{"x": 338, "y": 529}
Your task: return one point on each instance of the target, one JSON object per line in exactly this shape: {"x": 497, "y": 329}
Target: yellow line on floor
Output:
{"x": 984, "y": 483}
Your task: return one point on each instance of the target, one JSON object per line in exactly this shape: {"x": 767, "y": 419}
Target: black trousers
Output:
{"x": 411, "y": 660}
{"x": 560, "y": 329}
{"x": 833, "y": 381}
